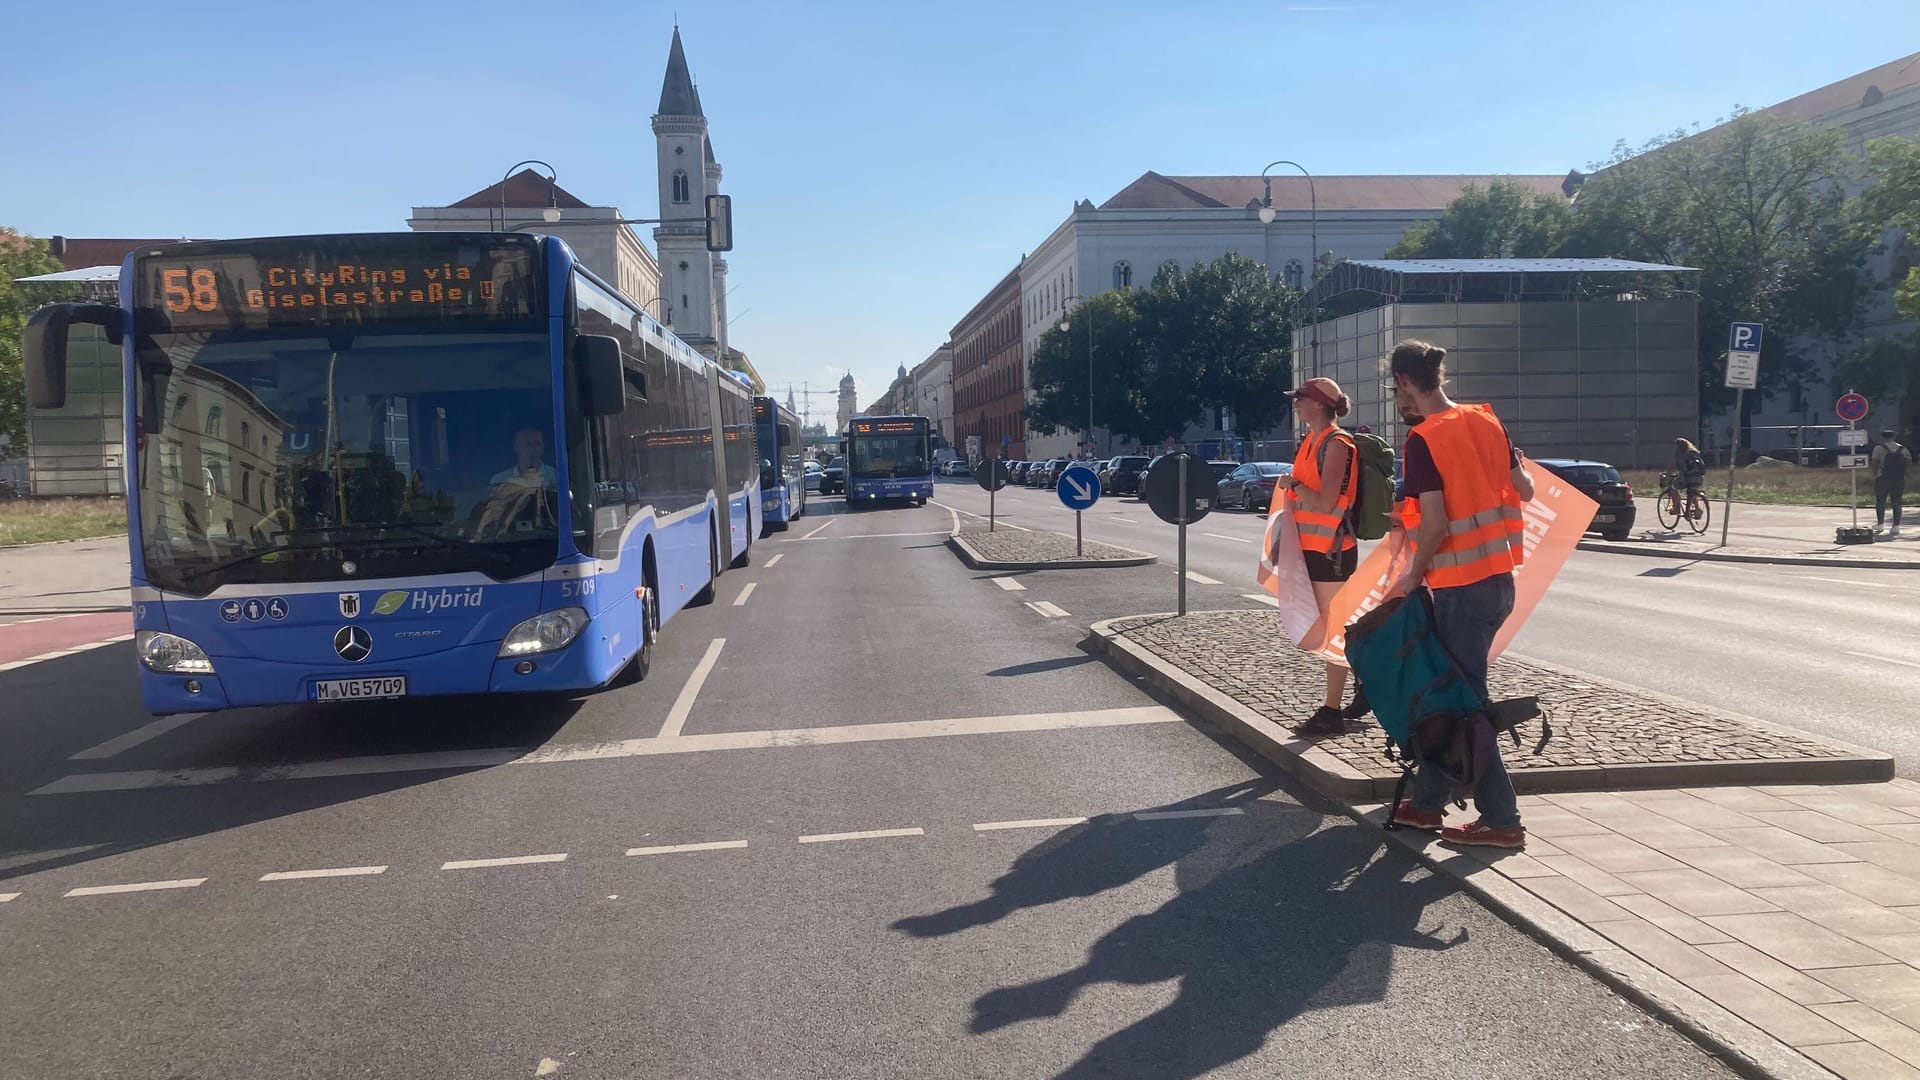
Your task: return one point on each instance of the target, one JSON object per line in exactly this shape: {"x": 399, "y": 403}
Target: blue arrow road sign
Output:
{"x": 1079, "y": 487}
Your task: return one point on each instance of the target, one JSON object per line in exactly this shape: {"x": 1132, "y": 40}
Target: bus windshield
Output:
{"x": 303, "y": 456}
{"x": 884, "y": 457}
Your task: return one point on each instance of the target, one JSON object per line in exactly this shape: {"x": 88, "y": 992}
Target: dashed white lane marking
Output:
{"x": 1262, "y": 597}
{"x": 137, "y": 886}
{"x": 131, "y": 780}
{"x": 6, "y": 896}
{"x": 1168, "y": 815}
{"x": 675, "y": 849}
{"x": 1882, "y": 659}
{"x": 871, "y": 834}
{"x": 511, "y": 860}
{"x": 775, "y": 561}
{"x": 741, "y": 600}
{"x": 335, "y": 871}
{"x": 68, "y": 651}
{"x": 1201, "y": 579}
{"x": 683, "y": 705}
{"x": 1123, "y": 521}
{"x": 1010, "y": 584}
{"x": 1224, "y": 536}
{"x": 131, "y": 739}
{"x": 821, "y": 529}
{"x": 1031, "y": 823}
{"x": 1047, "y": 608}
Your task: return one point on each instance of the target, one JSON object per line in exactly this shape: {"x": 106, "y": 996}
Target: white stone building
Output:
{"x": 1183, "y": 220}
{"x": 933, "y": 389}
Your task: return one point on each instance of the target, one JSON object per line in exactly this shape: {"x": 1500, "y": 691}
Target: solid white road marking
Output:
{"x": 131, "y": 739}
{"x": 1168, "y": 815}
{"x": 675, "y": 849}
{"x": 335, "y": 871}
{"x": 872, "y": 834}
{"x": 68, "y": 651}
{"x": 6, "y": 896}
{"x": 1882, "y": 659}
{"x": 133, "y": 780}
{"x": 821, "y": 529}
{"x": 775, "y": 560}
{"x": 1123, "y": 521}
{"x": 1010, "y": 584}
{"x": 138, "y": 886}
{"x": 511, "y": 860}
{"x": 1033, "y": 823}
{"x": 741, "y": 600}
{"x": 1005, "y": 524}
{"x": 1202, "y": 579}
{"x": 1047, "y": 608}
{"x": 1262, "y": 597}
{"x": 886, "y": 536}
{"x": 1224, "y": 536}
{"x": 683, "y": 705}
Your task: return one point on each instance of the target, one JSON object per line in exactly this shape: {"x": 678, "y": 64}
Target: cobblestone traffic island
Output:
{"x": 1008, "y": 548}
{"x": 1237, "y": 669}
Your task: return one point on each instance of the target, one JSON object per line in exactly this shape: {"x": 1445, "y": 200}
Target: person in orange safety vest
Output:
{"x": 1320, "y": 491}
{"x": 1464, "y": 485}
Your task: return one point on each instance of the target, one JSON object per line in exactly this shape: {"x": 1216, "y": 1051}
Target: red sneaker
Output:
{"x": 1413, "y": 817}
{"x": 1474, "y": 834}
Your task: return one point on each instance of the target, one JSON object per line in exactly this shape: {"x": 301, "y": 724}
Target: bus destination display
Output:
{"x": 206, "y": 288}
{"x": 888, "y": 427}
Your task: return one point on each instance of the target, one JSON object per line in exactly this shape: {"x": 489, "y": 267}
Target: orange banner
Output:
{"x": 1555, "y": 520}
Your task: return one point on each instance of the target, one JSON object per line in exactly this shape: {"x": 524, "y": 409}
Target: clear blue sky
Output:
{"x": 889, "y": 161}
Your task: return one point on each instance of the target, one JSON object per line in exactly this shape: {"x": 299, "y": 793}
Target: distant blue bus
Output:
{"x": 406, "y": 465}
{"x": 783, "y": 483}
{"x": 889, "y": 458}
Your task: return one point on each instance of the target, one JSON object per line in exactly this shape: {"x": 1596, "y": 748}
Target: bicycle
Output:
{"x": 1698, "y": 512}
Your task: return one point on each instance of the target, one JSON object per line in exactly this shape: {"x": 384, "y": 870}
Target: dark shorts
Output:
{"x": 1324, "y": 567}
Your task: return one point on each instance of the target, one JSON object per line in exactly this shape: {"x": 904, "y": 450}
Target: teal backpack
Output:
{"x": 1372, "y": 507}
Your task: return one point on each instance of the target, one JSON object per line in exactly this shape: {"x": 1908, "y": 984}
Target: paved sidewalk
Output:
{"x": 1778, "y": 924}
{"x": 1762, "y": 533}
{"x": 38, "y": 580}
{"x": 1009, "y": 548}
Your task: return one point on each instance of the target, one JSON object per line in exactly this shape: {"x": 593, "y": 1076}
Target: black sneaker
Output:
{"x": 1359, "y": 706}
{"x": 1324, "y": 721}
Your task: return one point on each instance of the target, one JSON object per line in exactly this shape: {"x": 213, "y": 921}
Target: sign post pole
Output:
{"x": 1169, "y": 489}
{"x": 990, "y": 494}
{"x": 1079, "y": 488}
{"x": 1853, "y": 484}
{"x": 1743, "y": 374}
{"x": 1078, "y": 550}
{"x": 1181, "y": 468}
{"x": 1852, "y": 408}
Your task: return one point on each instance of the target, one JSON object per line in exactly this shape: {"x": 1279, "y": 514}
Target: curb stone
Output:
{"x": 974, "y": 560}
{"x": 1660, "y": 551}
{"x": 1326, "y": 773}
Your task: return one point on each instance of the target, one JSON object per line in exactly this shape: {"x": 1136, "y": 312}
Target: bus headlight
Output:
{"x": 170, "y": 654}
{"x": 544, "y": 632}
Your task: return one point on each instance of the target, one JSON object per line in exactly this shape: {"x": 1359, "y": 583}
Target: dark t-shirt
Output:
{"x": 1422, "y": 475}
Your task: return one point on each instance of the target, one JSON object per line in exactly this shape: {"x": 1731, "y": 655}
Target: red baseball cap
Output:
{"x": 1323, "y": 390}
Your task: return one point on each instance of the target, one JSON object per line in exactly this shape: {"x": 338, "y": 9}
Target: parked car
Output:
{"x": 1602, "y": 483}
{"x": 1017, "y": 471}
{"x": 1250, "y": 487}
{"x": 1050, "y": 471}
{"x": 1222, "y": 469}
{"x": 1121, "y": 475}
{"x": 959, "y": 467}
{"x": 810, "y": 475}
{"x": 833, "y": 478}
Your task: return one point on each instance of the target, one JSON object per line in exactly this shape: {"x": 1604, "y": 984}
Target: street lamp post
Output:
{"x": 1267, "y": 214}
{"x": 1066, "y": 324}
{"x": 552, "y": 212}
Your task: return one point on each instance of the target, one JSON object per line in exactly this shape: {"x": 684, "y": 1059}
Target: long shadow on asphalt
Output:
{"x": 1038, "y": 666}
{"x": 1273, "y": 919}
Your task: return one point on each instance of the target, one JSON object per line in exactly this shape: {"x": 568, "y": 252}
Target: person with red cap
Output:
{"x": 1324, "y": 483}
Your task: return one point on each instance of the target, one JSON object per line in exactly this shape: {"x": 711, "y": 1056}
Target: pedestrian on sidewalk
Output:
{"x": 1468, "y": 484}
{"x": 1889, "y": 462}
{"x": 1321, "y": 489}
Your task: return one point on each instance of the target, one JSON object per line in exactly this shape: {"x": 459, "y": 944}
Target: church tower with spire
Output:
{"x": 689, "y": 273}
{"x": 849, "y": 403}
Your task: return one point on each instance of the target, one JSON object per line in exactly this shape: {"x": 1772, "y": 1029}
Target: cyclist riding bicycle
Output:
{"x": 1690, "y": 473}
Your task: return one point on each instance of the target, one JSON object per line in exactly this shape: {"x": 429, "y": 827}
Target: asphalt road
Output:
{"x": 1835, "y": 652}
{"x": 938, "y": 840}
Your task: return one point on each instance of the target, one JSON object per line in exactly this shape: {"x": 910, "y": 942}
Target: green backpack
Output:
{"x": 1372, "y": 507}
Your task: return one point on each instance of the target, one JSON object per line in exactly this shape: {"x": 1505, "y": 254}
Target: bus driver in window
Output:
{"x": 521, "y": 499}
{"x": 528, "y": 469}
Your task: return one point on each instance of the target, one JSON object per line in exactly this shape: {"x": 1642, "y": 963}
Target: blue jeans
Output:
{"x": 1466, "y": 619}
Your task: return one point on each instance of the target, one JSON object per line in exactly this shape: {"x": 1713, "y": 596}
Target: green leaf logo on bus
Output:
{"x": 391, "y": 602}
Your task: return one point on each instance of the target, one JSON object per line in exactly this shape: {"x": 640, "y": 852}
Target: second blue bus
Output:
{"x": 889, "y": 458}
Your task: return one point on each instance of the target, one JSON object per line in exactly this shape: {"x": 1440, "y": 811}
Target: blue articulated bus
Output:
{"x": 889, "y": 457}
{"x": 783, "y": 483}
{"x": 405, "y": 465}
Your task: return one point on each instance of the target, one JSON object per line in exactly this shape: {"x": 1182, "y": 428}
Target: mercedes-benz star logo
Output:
{"x": 352, "y": 643}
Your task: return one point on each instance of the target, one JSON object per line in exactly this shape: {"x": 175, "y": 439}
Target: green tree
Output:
{"x": 1759, "y": 208}
{"x": 1109, "y": 324}
{"x": 1223, "y": 329}
{"x": 1504, "y": 220}
{"x": 20, "y": 256}
{"x": 1892, "y": 201}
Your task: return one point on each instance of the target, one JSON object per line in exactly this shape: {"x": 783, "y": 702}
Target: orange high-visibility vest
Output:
{"x": 1484, "y": 523}
{"x": 1319, "y": 532}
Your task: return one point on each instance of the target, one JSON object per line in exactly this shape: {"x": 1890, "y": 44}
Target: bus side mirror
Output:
{"x": 602, "y": 382}
{"x": 44, "y": 347}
